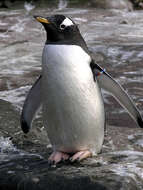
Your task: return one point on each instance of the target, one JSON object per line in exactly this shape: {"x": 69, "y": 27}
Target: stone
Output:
{"x": 9, "y": 119}
{"x": 113, "y": 170}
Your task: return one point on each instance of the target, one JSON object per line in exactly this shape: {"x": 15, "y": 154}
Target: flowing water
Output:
{"x": 114, "y": 37}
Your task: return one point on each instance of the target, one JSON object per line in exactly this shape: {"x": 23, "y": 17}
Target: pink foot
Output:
{"x": 81, "y": 155}
{"x": 57, "y": 157}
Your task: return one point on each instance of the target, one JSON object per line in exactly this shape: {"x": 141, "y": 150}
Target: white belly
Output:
{"x": 73, "y": 110}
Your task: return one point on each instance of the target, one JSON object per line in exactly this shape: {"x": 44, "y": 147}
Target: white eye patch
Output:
{"x": 67, "y": 22}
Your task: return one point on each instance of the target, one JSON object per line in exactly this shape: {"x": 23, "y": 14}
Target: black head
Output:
{"x": 60, "y": 29}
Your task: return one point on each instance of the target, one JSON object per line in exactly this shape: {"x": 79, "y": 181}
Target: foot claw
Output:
{"x": 50, "y": 162}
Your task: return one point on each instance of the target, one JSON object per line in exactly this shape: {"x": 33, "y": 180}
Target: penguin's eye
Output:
{"x": 62, "y": 26}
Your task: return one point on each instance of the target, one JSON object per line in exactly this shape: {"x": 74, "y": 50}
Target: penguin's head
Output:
{"x": 59, "y": 28}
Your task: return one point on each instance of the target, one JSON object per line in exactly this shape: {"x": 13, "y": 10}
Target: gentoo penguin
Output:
{"x": 69, "y": 91}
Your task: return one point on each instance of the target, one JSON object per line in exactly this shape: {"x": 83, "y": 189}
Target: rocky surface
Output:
{"x": 88, "y": 175}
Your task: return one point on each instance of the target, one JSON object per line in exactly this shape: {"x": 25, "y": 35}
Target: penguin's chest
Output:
{"x": 67, "y": 76}
{"x": 72, "y": 102}
{"x": 67, "y": 67}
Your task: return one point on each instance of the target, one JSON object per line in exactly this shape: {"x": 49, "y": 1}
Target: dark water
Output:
{"x": 114, "y": 37}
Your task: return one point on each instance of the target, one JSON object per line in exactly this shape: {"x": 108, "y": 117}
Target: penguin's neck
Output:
{"x": 65, "y": 55}
{"x": 75, "y": 42}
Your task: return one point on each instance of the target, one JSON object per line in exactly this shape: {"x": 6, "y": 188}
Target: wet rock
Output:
{"x": 10, "y": 128}
{"x": 112, "y": 4}
{"x": 115, "y": 170}
{"x": 9, "y": 119}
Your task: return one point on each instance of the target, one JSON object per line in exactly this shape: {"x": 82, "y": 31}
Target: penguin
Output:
{"x": 69, "y": 90}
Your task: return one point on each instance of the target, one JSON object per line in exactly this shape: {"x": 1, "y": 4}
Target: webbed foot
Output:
{"x": 81, "y": 155}
{"x": 57, "y": 157}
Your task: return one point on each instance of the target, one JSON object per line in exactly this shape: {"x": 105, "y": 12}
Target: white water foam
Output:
{"x": 62, "y": 4}
{"x": 18, "y": 27}
{"x": 140, "y": 142}
{"x": 6, "y": 145}
{"x": 29, "y": 6}
{"x": 8, "y": 151}
{"x": 131, "y": 167}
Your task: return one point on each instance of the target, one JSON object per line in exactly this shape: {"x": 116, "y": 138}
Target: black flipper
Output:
{"x": 31, "y": 105}
{"x": 114, "y": 88}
